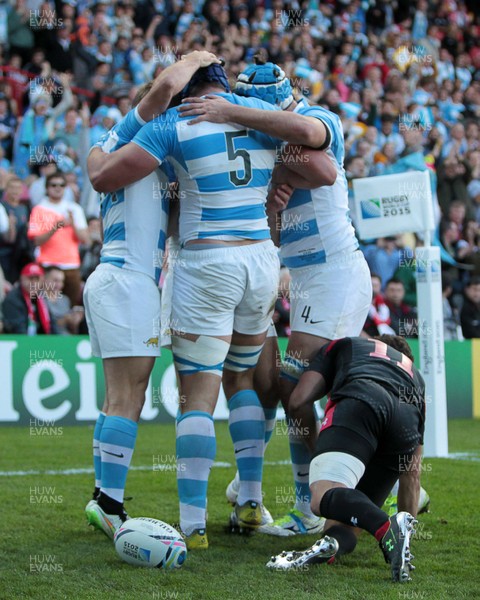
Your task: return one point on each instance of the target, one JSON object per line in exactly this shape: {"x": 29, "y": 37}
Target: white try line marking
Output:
{"x": 153, "y": 467}
{"x": 472, "y": 456}
{"x": 468, "y": 456}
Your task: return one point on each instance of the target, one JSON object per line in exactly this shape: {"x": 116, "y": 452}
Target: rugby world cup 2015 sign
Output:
{"x": 393, "y": 204}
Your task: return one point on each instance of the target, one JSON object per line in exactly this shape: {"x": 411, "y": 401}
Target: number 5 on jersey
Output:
{"x": 234, "y": 153}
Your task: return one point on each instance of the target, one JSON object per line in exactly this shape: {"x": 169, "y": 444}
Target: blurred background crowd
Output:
{"x": 403, "y": 75}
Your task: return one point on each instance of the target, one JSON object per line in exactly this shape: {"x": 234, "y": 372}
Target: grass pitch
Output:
{"x": 49, "y": 552}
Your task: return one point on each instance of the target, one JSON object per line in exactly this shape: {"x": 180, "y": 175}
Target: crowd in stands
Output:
{"x": 403, "y": 75}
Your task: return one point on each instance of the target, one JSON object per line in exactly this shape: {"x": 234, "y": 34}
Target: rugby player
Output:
{"x": 330, "y": 290}
{"x": 125, "y": 337}
{"x": 371, "y": 434}
{"x": 224, "y": 282}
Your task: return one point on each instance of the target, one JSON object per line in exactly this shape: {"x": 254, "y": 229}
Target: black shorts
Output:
{"x": 383, "y": 435}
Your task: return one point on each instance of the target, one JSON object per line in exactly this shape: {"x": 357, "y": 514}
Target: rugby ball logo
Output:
{"x": 371, "y": 209}
{"x": 145, "y": 542}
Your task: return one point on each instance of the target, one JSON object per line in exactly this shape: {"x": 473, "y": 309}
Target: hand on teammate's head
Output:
{"x": 203, "y": 57}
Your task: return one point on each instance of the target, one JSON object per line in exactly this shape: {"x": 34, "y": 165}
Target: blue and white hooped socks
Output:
{"x": 97, "y": 460}
{"x": 247, "y": 429}
{"x": 196, "y": 449}
{"x": 117, "y": 442}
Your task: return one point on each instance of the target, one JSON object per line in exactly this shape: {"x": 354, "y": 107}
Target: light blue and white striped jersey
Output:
{"x": 135, "y": 217}
{"x": 316, "y": 225}
{"x": 223, "y": 172}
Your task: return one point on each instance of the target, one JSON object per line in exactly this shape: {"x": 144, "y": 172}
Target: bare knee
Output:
{"x": 267, "y": 387}
{"x": 234, "y": 381}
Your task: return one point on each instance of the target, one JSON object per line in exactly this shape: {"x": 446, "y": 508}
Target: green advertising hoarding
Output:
{"x": 55, "y": 379}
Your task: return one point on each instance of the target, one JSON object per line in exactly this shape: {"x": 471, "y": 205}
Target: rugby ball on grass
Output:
{"x": 145, "y": 542}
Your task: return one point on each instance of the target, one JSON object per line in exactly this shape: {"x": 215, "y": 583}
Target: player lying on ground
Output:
{"x": 125, "y": 337}
{"x": 330, "y": 290}
{"x": 372, "y": 434}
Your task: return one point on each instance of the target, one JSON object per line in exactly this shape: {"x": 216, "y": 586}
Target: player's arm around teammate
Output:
{"x": 280, "y": 124}
{"x": 109, "y": 172}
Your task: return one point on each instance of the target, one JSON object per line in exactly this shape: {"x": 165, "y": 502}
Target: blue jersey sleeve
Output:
{"x": 332, "y": 121}
{"x": 129, "y": 126}
{"x": 157, "y": 137}
{"x": 122, "y": 133}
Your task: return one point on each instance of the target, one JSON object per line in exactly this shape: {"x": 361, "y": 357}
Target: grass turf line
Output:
{"x": 83, "y": 564}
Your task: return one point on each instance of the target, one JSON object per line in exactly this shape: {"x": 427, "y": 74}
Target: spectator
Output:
{"x": 378, "y": 320}
{"x": 456, "y": 213}
{"x": 36, "y": 129}
{"x": 67, "y": 320}
{"x": 57, "y": 227}
{"x": 69, "y": 130}
{"x": 468, "y": 247}
{"x": 388, "y": 135}
{"x": 383, "y": 159}
{"x": 457, "y": 146}
{"x": 407, "y": 273}
{"x": 24, "y": 309}
{"x": 452, "y": 182}
{"x": 384, "y": 257}
{"x": 90, "y": 253}
{"x": 20, "y": 34}
{"x": 450, "y": 238}
{"x": 36, "y": 64}
{"x": 15, "y": 248}
{"x": 402, "y": 317}
{"x": 474, "y": 192}
{"x": 470, "y": 313}
{"x": 451, "y": 321}
{"x": 38, "y": 188}
{"x": 60, "y": 52}
{"x": 8, "y": 123}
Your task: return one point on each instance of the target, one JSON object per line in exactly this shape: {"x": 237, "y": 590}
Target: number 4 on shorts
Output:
{"x": 306, "y": 313}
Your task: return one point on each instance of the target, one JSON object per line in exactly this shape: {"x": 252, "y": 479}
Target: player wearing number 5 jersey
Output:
{"x": 372, "y": 434}
{"x": 224, "y": 281}
{"x": 330, "y": 289}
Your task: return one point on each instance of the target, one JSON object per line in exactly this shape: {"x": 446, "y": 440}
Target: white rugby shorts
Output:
{"x": 122, "y": 308}
{"x": 331, "y": 300}
{"x": 229, "y": 288}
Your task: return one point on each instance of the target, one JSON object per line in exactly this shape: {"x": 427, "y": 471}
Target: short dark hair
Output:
{"x": 52, "y": 268}
{"x": 56, "y": 175}
{"x": 475, "y": 280}
{"x": 398, "y": 343}
{"x": 394, "y": 280}
{"x": 198, "y": 88}
{"x": 447, "y": 280}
